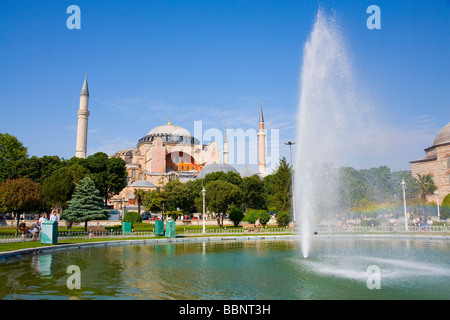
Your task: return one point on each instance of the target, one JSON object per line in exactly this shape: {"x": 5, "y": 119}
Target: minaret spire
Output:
{"x": 225, "y": 147}
{"x": 261, "y": 117}
{"x": 85, "y": 89}
{"x": 83, "y": 115}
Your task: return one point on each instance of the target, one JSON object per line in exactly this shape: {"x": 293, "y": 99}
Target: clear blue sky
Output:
{"x": 211, "y": 61}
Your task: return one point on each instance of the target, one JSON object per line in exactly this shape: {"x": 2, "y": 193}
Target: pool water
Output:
{"x": 242, "y": 270}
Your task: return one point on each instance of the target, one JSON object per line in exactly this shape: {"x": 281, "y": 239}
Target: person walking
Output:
{"x": 42, "y": 219}
{"x": 54, "y": 216}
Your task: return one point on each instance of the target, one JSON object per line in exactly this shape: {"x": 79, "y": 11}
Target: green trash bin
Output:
{"x": 170, "y": 229}
{"x": 126, "y": 227}
{"x": 49, "y": 232}
{"x": 159, "y": 228}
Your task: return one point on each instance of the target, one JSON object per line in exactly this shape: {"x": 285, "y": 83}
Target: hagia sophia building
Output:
{"x": 168, "y": 152}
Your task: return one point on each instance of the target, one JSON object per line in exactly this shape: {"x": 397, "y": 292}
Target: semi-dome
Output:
{"x": 443, "y": 136}
{"x": 142, "y": 184}
{"x": 215, "y": 167}
{"x": 248, "y": 173}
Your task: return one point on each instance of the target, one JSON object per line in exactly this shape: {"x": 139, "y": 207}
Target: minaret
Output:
{"x": 225, "y": 147}
{"x": 261, "y": 143}
{"x": 83, "y": 115}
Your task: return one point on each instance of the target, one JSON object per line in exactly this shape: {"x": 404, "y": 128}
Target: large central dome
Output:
{"x": 170, "y": 129}
{"x": 169, "y": 133}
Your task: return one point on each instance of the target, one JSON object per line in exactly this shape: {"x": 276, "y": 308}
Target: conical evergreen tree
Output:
{"x": 86, "y": 204}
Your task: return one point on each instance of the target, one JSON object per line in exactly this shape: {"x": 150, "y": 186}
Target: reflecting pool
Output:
{"x": 261, "y": 269}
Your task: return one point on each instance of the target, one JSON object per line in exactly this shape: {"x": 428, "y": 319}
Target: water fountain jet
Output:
{"x": 331, "y": 118}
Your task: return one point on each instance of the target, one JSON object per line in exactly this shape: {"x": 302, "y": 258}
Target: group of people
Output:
{"x": 36, "y": 228}
{"x": 422, "y": 222}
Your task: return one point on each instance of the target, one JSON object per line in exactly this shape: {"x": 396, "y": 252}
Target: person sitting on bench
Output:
{"x": 36, "y": 229}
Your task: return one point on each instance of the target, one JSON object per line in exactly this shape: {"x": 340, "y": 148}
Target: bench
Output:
{"x": 27, "y": 233}
{"x": 96, "y": 230}
{"x": 252, "y": 228}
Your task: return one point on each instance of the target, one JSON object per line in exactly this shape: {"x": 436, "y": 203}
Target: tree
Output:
{"x": 253, "y": 215}
{"x": 426, "y": 186}
{"x": 236, "y": 216}
{"x": 154, "y": 200}
{"x": 11, "y": 151}
{"x": 253, "y": 192}
{"x": 20, "y": 196}
{"x": 446, "y": 201}
{"x": 230, "y": 176}
{"x": 352, "y": 187}
{"x": 179, "y": 195}
{"x": 196, "y": 187}
{"x": 108, "y": 174}
{"x": 284, "y": 218}
{"x": 445, "y": 208}
{"x": 139, "y": 195}
{"x": 59, "y": 187}
{"x": 279, "y": 186}
{"x": 86, "y": 204}
{"x": 38, "y": 169}
{"x": 220, "y": 195}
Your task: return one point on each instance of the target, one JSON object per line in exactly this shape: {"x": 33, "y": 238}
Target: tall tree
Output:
{"x": 220, "y": 195}
{"x": 139, "y": 195}
{"x": 60, "y": 186}
{"x": 11, "y": 151}
{"x": 154, "y": 200}
{"x": 38, "y": 169}
{"x": 86, "y": 204}
{"x": 253, "y": 192}
{"x": 230, "y": 176}
{"x": 179, "y": 195}
{"x": 279, "y": 186}
{"x": 20, "y": 196}
{"x": 108, "y": 174}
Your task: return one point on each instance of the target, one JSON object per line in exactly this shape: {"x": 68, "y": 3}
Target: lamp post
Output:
{"x": 123, "y": 207}
{"x": 404, "y": 202}
{"x": 439, "y": 211}
{"x": 204, "y": 193}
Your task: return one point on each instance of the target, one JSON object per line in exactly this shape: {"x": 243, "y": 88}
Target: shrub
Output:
{"x": 446, "y": 201}
{"x": 236, "y": 216}
{"x": 133, "y": 217}
{"x": 370, "y": 223}
{"x": 264, "y": 217}
{"x": 252, "y": 216}
{"x": 284, "y": 218}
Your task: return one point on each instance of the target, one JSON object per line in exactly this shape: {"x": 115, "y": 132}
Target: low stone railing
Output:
{"x": 62, "y": 235}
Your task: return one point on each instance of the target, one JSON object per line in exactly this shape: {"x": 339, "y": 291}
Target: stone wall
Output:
{"x": 439, "y": 169}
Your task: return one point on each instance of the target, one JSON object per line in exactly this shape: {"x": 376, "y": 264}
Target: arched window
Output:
{"x": 133, "y": 174}
{"x": 182, "y": 167}
{"x": 140, "y": 176}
